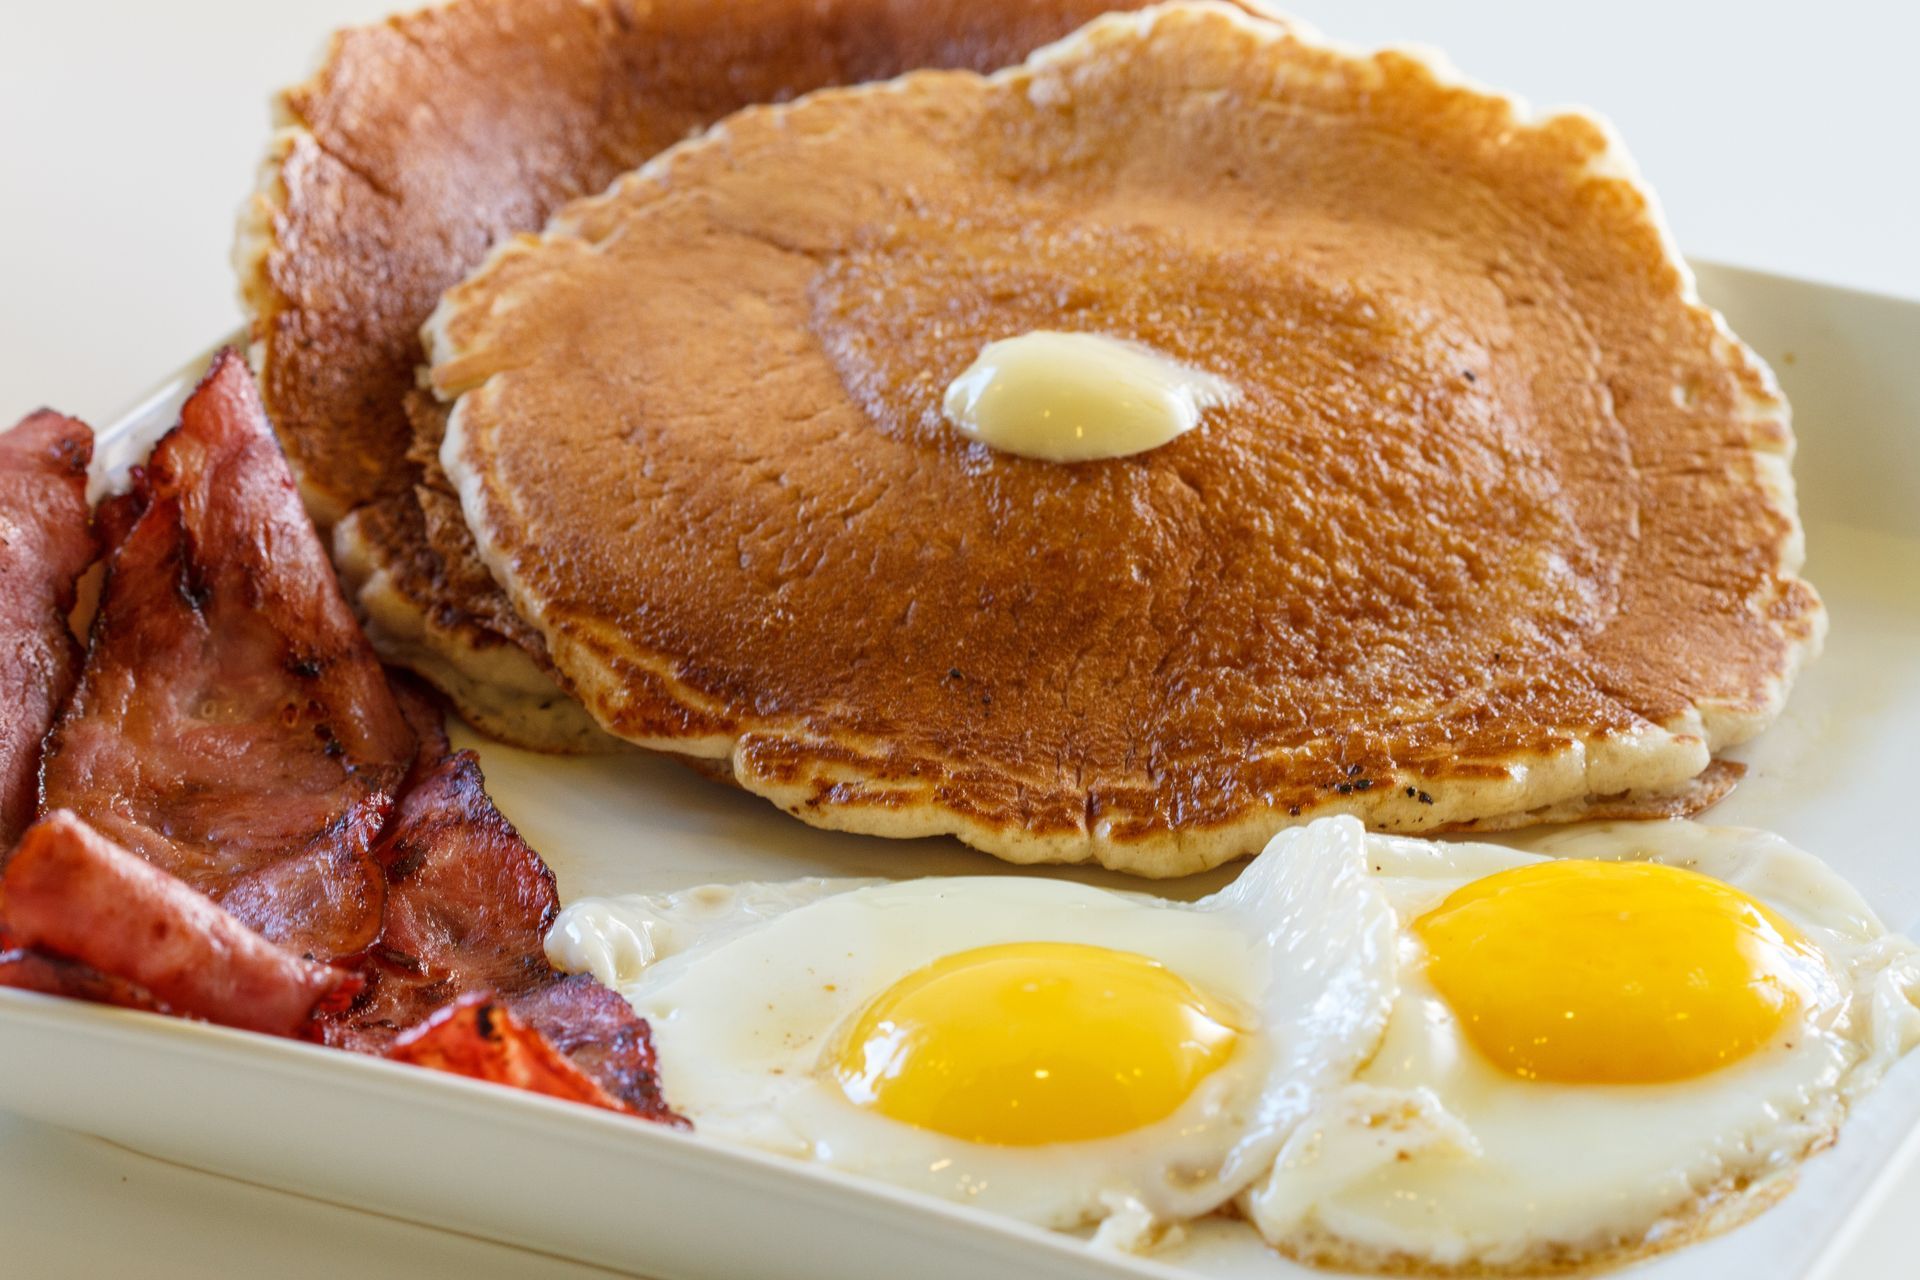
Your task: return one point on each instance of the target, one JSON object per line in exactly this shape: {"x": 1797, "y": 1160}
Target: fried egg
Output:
{"x": 1040, "y": 1048}
{"x": 1603, "y": 1045}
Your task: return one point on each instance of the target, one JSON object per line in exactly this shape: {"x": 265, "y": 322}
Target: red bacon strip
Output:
{"x": 468, "y": 903}
{"x": 480, "y": 1038}
{"x": 468, "y": 907}
{"x": 31, "y": 970}
{"x": 46, "y": 542}
{"x": 232, "y": 725}
{"x": 601, "y": 1034}
{"x": 420, "y": 705}
{"x": 71, "y": 892}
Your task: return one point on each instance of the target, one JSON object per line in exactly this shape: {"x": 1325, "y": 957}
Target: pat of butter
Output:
{"x": 1074, "y": 397}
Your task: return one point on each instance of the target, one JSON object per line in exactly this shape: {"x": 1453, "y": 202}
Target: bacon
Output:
{"x": 601, "y": 1034}
{"x": 70, "y": 892}
{"x": 480, "y": 1038}
{"x": 234, "y": 731}
{"x": 468, "y": 907}
{"x": 421, "y": 707}
{"x": 46, "y": 542}
{"x": 31, "y": 970}
{"x": 325, "y": 901}
{"x": 232, "y": 725}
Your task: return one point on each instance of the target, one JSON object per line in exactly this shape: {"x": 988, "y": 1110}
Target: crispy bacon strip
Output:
{"x": 71, "y": 892}
{"x": 601, "y": 1034}
{"x": 46, "y": 542}
{"x": 232, "y": 725}
{"x": 480, "y": 1038}
{"x": 31, "y": 970}
{"x": 468, "y": 907}
{"x": 468, "y": 904}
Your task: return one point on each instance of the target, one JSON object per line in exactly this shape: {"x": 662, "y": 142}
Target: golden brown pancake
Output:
{"x": 1501, "y": 525}
{"x": 422, "y": 140}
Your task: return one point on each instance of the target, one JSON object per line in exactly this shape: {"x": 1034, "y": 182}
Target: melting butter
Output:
{"x": 1073, "y": 397}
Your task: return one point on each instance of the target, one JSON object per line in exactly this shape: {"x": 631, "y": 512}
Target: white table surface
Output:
{"x": 1780, "y": 136}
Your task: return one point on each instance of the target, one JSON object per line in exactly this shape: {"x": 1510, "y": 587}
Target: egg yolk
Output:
{"x": 1614, "y": 972}
{"x": 1035, "y": 1042}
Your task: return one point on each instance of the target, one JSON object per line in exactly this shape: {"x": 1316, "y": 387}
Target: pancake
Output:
{"x": 443, "y": 620}
{"x": 1501, "y": 526}
{"x": 422, "y": 140}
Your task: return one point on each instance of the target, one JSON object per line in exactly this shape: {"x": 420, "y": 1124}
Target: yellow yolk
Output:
{"x": 1614, "y": 972}
{"x": 1033, "y": 1042}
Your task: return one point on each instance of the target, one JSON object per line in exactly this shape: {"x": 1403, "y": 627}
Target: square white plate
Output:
{"x": 1832, "y": 776}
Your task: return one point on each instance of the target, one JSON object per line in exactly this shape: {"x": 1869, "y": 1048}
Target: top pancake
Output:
{"x": 1501, "y": 524}
{"x": 421, "y": 141}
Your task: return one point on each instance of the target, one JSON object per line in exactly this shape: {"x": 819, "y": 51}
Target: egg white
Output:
{"x": 746, "y": 986}
{"x": 1435, "y": 1159}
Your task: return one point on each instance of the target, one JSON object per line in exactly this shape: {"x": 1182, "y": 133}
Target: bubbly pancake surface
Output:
{"x": 423, "y": 139}
{"x": 1501, "y": 522}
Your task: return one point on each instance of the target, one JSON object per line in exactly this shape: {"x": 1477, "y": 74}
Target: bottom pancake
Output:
{"x": 852, "y": 791}
{"x": 1696, "y": 795}
{"x": 434, "y": 618}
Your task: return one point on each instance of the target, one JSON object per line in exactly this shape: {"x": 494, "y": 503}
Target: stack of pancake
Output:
{"x": 1500, "y": 529}
{"x": 419, "y": 143}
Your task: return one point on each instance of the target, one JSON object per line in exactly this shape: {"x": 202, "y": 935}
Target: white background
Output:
{"x": 1779, "y": 136}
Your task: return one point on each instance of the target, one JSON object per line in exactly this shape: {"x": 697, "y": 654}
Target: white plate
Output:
{"x": 1833, "y": 776}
